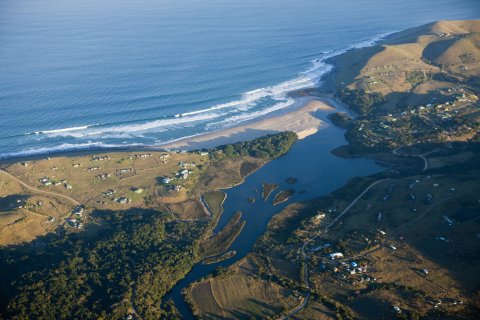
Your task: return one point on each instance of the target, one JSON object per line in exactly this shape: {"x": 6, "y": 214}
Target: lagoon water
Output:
{"x": 318, "y": 171}
{"x": 83, "y": 74}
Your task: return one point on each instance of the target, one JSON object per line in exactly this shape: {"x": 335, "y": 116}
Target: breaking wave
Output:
{"x": 250, "y": 105}
{"x": 66, "y": 147}
{"x": 62, "y": 130}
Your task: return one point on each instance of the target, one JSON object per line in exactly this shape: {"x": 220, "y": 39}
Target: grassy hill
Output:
{"x": 443, "y": 54}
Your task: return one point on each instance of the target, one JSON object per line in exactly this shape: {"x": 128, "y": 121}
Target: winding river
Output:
{"x": 318, "y": 173}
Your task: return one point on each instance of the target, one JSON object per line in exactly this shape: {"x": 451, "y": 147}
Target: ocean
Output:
{"x": 102, "y": 74}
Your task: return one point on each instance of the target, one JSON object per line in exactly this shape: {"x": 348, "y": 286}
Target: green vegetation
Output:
{"x": 283, "y": 196}
{"x": 267, "y": 189}
{"x": 218, "y": 258}
{"x": 215, "y": 200}
{"x": 126, "y": 268}
{"x": 360, "y": 101}
{"x": 422, "y": 125}
{"x": 220, "y": 242}
{"x": 267, "y": 147}
{"x": 417, "y": 76}
{"x": 341, "y": 119}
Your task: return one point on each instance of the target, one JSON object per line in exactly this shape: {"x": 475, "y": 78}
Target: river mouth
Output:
{"x": 317, "y": 171}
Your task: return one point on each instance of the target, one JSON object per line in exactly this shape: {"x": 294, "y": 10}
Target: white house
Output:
{"x": 336, "y": 255}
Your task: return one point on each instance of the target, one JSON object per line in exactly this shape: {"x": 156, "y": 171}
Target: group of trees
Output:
{"x": 360, "y": 101}
{"x": 266, "y": 147}
{"x": 125, "y": 268}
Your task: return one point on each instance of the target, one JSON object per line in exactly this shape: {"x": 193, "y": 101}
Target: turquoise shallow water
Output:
{"x": 84, "y": 74}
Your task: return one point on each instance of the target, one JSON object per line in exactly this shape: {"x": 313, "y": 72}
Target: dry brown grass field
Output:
{"x": 239, "y": 294}
{"x": 110, "y": 181}
{"x": 406, "y": 62}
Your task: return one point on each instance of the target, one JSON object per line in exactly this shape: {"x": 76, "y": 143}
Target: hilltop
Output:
{"x": 419, "y": 60}
{"x": 417, "y": 87}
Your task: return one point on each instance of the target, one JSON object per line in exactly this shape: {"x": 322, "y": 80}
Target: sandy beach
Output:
{"x": 302, "y": 121}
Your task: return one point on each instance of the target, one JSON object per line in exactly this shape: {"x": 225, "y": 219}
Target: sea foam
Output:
{"x": 250, "y": 105}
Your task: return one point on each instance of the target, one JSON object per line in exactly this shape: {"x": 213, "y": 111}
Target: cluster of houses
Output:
{"x": 94, "y": 168}
{"x": 110, "y": 193}
{"x": 103, "y": 176}
{"x": 344, "y": 269}
{"x": 122, "y": 200}
{"x": 49, "y": 182}
{"x": 140, "y": 156}
{"x": 183, "y": 164}
{"x": 75, "y": 223}
{"x": 183, "y": 174}
{"x": 167, "y": 181}
{"x": 123, "y": 171}
{"x": 104, "y": 158}
{"x": 390, "y": 130}
{"x": 448, "y": 220}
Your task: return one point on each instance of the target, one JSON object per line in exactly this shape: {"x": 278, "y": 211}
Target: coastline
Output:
{"x": 272, "y": 122}
{"x": 300, "y": 119}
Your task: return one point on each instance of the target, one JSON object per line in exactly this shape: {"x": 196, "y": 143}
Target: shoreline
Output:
{"x": 300, "y": 119}
{"x": 270, "y": 123}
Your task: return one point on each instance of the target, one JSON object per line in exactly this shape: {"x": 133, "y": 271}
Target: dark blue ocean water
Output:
{"x": 78, "y": 74}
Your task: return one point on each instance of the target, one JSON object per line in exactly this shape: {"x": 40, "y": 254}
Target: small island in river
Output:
{"x": 267, "y": 189}
{"x": 283, "y": 196}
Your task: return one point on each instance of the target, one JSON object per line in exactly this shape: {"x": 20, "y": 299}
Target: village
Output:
{"x": 116, "y": 181}
{"x": 398, "y": 237}
{"x": 431, "y": 123}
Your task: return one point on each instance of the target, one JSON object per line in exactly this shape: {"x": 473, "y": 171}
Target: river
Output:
{"x": 318, "y": 172}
